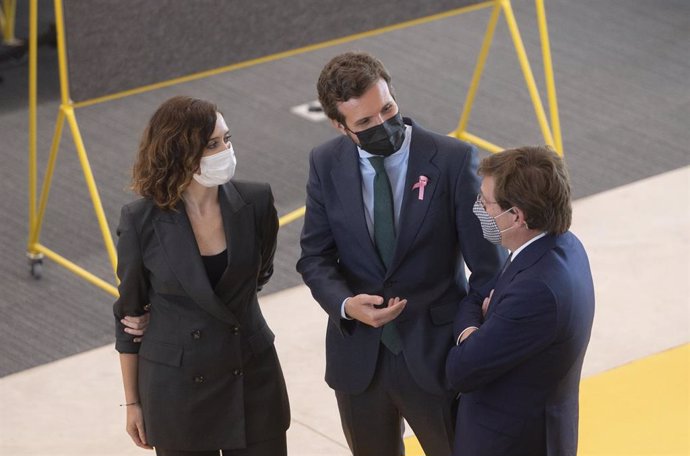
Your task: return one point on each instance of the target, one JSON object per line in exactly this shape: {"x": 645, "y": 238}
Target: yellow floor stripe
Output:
{"x": 412, "y": 447}
{"x": 642, "y": 408}
{"x": 292, "y": 216}
{"x": 638, "y": 409}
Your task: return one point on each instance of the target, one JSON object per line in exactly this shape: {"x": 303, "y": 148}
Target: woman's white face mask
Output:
{"x": 217, "y": 169}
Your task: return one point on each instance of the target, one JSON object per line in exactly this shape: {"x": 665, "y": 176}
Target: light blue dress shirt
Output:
{"x": 396, "y": 168}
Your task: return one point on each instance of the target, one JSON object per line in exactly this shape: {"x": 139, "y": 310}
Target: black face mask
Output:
{"x": 383, "y": 139}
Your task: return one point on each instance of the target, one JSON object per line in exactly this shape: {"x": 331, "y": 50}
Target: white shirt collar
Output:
{"x": 523, "y": 246}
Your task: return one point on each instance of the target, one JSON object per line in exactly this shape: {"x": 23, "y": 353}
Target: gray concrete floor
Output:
{"x": 69, "y": 407}
{"x": 621, "y": 74}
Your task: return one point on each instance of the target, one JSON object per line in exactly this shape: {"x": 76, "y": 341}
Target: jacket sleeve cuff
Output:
{"x": 457, "y": 341}
{"x": 124, "y": 346}
{"x": 343, "y": 315}
{"x": 124, "y": 343}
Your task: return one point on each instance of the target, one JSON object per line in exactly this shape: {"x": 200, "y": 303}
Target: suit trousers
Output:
{"x": 372, "y": 421}
{"x": 273, "y": 447}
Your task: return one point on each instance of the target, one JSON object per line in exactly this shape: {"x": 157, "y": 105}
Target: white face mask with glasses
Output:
{"x": 490, "y": 229}
{"x": 217, "y": 169}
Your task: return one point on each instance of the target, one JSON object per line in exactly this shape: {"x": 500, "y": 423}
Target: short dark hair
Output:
{"x": 347, "y": 76}
{"x": 171, "y": 148}
{"x": 535, "y": 180}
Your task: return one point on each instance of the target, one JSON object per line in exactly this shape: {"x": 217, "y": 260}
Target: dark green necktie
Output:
{"x": 384, "y": 238}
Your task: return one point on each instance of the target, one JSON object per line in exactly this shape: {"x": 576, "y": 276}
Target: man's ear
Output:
{"x": 521, "y": 218}
{"x": 338, "y": 126}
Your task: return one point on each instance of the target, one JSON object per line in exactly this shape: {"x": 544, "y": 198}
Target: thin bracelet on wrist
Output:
{"x": 129, "y": 403}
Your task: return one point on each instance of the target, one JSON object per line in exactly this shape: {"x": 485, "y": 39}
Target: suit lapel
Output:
{"x": 174, "y": 232}
{"x": 413, "y": 211}
{"x": 238, "y": 223}
{"x": 348, "y": 183}
{"x": 524, "y": 260}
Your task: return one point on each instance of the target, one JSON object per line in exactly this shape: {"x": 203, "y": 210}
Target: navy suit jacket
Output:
{"x": 519, "y": 374}
{"x": 435, "y": 235}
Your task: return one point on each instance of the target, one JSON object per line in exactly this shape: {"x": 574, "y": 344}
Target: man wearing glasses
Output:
{"x": 519, "y": 354}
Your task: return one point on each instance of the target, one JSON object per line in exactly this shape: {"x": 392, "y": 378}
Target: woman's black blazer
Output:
{"x": 209, "y": 377}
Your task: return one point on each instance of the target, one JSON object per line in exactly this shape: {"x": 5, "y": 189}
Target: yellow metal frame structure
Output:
{"x": 36, "y": 250}
{"x": 7, "y": 17}
{"x": 37, "y": 202}
{"x": 552, "y": 132}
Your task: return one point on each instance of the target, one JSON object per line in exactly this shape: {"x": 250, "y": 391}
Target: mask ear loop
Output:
{"x": 512, "y": 211}
{"x": 346, "y": 129}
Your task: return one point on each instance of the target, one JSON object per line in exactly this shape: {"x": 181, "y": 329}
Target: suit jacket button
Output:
{"x": 196, "y": 334}
{"x": 238, "y": 372}
{"x": 199, "y": 379}
{"x": 235, "y": 330}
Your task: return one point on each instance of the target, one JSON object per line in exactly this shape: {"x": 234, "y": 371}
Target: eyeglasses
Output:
{"x": 481, "y": 201}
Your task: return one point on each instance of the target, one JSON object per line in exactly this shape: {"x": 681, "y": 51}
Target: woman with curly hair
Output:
{"x": 194, "y": 251}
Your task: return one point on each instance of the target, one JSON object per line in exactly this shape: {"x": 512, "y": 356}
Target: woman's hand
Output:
{"x": 135, "y": 426}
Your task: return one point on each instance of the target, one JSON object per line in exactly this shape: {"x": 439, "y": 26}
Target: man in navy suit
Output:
{"x": 387, "y": 229}
{"x": 519, "y": 355}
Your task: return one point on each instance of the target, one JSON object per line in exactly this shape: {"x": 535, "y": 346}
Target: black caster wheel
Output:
{"x": 36, "y": 268}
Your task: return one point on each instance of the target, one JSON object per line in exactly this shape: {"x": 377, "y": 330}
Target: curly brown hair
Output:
{"x": 534, "y": 179}
{"x": 347, "y": 76}
{"x": 171, "y": 148}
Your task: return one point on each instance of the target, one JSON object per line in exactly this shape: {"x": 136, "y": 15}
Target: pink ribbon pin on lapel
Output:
{"x": 423, "y": 180}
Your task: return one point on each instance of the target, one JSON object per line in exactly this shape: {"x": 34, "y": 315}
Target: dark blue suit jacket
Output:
{"x": 519, "y": 374}
{"x": 435, "y": 235}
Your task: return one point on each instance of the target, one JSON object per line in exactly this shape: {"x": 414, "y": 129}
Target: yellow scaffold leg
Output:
{"x": 47, "y": 180}
{"x": 548, "y": 76}
{"x": 93, "y": 190}
{"x": 527, "y": 72}
{"x": 478, "y": 69}
{"x": 34, "y": 256}
{"x": 7, "y": 18}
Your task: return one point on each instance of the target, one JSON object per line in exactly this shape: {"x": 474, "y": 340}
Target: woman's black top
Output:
{"x": 215, "y": 266}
